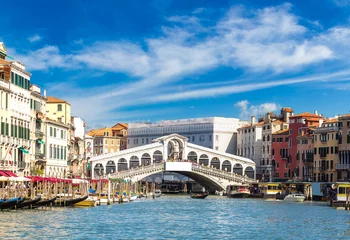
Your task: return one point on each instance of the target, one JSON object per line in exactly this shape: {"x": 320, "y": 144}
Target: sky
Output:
{"x": 127, "y": 61}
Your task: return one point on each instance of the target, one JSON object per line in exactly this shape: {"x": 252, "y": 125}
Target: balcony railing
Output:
{"x": 343, "y": 166}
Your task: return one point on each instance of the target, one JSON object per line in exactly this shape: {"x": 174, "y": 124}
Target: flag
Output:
{"x": 10, "y": 153}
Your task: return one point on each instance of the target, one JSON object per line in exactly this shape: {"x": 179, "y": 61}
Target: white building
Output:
{"x": 56, "y": 148}
{"x": 217, "y": 133}
{"x": 249, "y": 141}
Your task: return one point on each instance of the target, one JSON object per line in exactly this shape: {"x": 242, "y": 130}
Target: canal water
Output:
{"x": 180, "y": 217}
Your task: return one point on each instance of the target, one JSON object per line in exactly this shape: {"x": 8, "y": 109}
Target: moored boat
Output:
{"x": 158, "y": 193}
{"x": 9, "y": 203}
{"x": 294, "y": 197}
{"x": 89, "y": 202}
{"x": 237, "y": 191}
{"x": 69, "y": 202}
{"x": 46, "y": 202}
{"x": 27, "y": 203}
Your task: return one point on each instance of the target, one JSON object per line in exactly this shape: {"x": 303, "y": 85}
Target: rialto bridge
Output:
{"x": 173, "y": 153}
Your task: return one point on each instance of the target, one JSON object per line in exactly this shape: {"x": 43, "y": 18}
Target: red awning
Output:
{"x": 11, "y": 174}
{"x": 3, "y": 173}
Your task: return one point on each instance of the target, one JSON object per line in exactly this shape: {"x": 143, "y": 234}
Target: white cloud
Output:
{"x": 341, "y": 3}
{"x": 34, "y": 38}
{"x": 268, "y": 40}
{"x": 247, "y": 111}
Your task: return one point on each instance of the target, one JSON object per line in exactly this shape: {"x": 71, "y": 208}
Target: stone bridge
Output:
{"x": 173, "y": 153}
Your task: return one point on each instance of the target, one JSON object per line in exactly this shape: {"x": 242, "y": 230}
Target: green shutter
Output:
{"x": 31, "y": 103}
{"x": 7, "y": 98}
{"x": 12, "y": 77}
{"x": 50, "y": 131}
{"x": 65, "y": 156}
{"x": 62, "y": 157}
{"x": 16, "y": 79}
{"x": 28, "y": 84}
{"x": 54, "y": 132}
{"x": 62, "y": 134}
{"x": 2, "y": 128}
{"x": 7, "y": 129}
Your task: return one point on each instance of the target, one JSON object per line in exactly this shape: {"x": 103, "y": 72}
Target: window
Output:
{"x": 217, "y": 148}
{"x": 54, "y": 132}
{"x": 192, "y": 138}
{"x": 62, "y": 134}
{"x": 50, "y": 131}
{"x": 217, "y": 137}
{"x": 290, "y": 131}
{"x": 209, "y": 137}
{"x": 59, "y": 107}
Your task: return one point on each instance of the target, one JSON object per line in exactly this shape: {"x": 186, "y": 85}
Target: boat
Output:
{"x": 69, "y": 202}
{"x": 338, "y": 195}
{"x": 133, "y": 198}
{"x": 294, "y": 197}
{"x": 45, "y": 202}
{"x": 158, "y": 193}
{"x": 9, "y": 203}
{"x": 200, "y": 195}
{"x": 28, "y": 203}
{"x": 89, "y": 202}
{"x": 237, "y": 191}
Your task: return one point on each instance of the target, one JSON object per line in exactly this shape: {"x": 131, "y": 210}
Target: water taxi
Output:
{"x": 294, "y": 197}
{"x": 237, "y": 191}
{"x": 339, "y": 194}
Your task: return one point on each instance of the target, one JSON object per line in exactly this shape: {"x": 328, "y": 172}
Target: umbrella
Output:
{"x": 2, "y": 178}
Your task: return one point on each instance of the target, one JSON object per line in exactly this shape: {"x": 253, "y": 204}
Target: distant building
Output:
{"x": 249, "y": 141}
{"x": 56, "y": 148}
{"x": 326, "y": 156}
{"x": 217, "y": 133}
{"x": 296, "y": 124}
{"x": 343, "y": 167}
{"x": 104, "y": 141}
{"x": 305, "y": 154}
{"x": 121, "y": 130}
{"x": 280, "y": 154}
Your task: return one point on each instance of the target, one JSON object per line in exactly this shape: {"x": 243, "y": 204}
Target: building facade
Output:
{"x": 105, "y": 141}
{"x": 121, "y": 130}
{"x": 280, "y": 154}
{"x": 56, "y": 149}
{"x": 305, "y": 154}
{"x": 296, "y": 124}
{"x": 217, "y": 133}
{"x": 249, "y": 141}
{"x": 326, "y": 153}
{"x": 343, "y": 167}
{"x": 77, "y": 162}
{"x": 15, "y": 116}
{"x": 38, "y": 131}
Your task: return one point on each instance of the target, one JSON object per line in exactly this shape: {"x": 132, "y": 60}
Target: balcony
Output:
{"x": 342, "y": 166}
{"x": 327, "y": 129}
{"x": 39, "y": 134}
{"x": 39, "y": 155}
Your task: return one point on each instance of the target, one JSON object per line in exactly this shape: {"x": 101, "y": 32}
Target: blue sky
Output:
{"x": 124, "y": 61}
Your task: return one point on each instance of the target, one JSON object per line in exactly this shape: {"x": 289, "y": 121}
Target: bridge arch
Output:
{"x": 157, "y": 157}
{"x": 122, "y": 164}
{"x": 110, "y": 167}
{"x": 226, "y": 166}
{"x": 215, "y": 163}
{"x": 204, "y": 160}
{"x": 249, "y": 171}
{"x": 134, "y": 162}
{"x": 146, "y": 159}
{"x": 98, "y": 169}
{"x": 238, "y": 168}
{"x": 193, "y": 157}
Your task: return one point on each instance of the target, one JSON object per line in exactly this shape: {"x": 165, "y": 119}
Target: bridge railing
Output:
{"x": 139, "y": 170}
{"x": 221, "y": 173}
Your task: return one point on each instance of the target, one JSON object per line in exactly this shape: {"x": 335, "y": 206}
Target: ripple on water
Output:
{"x": 180, "y": 217}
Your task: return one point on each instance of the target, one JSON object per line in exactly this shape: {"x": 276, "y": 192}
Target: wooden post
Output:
{"x": 347, "y": 203}
{"x": 146, "y": 189}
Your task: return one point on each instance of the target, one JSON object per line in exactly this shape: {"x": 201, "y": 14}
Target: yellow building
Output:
{"x": 105, "y": 141}
{"x": 58, "y": 110}
{"x": 326, "y": 155}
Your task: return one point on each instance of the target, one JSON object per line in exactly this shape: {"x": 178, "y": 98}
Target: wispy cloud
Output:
{"x": 341, "y": 3}
{"x": 34, "y": 38}
{"x": 269, "y": 44}
{"x": 247, "y": 110}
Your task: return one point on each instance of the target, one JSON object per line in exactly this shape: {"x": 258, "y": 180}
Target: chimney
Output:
{"x": 44, "y": 92}
{"x": 315, "y": 112}
{"x": 252, "y": 120}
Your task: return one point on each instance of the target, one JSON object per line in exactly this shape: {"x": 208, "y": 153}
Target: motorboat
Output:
{"x": 237, "y": 191}
{"x": 294, "y": 197}
{"x": 157, "y": 193}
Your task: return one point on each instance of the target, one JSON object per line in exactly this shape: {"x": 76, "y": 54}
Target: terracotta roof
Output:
{"x": 120, "y": 126}
{"x": 344, "y": 116}
{"x": 278, "y": 122}
{"x": 306, "y": 114}
{"x": 51, "y": 99}
{"x": 282, "y": 132}
{"x": 98, "y": 132}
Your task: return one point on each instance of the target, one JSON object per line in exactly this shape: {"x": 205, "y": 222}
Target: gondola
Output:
{"x": 200, "y": 195}
{"x": 69, "y": 202}
{"x": 29, "y": 203}
{"x": 9, "y": 203}
{"x": 46, "y": 202}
